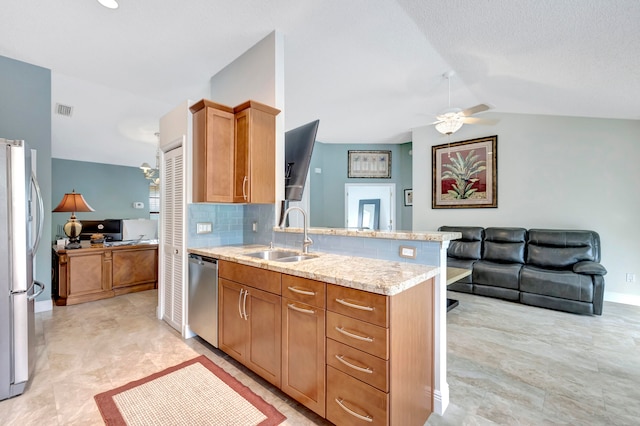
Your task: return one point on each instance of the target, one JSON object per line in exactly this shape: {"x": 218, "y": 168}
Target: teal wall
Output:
{"x": 405, "y": 213}
{"x": 110, "y": 189}
{"x": 327, "y": 188}
{"x": 25, "y": 113}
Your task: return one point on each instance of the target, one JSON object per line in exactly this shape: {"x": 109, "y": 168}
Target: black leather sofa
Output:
{"x": 549, "y": 268}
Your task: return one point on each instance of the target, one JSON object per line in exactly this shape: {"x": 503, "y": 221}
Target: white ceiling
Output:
{"x": 370, "y": 70}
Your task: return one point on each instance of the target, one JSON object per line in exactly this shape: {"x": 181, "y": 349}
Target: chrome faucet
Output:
{"x": 306, "y": 241}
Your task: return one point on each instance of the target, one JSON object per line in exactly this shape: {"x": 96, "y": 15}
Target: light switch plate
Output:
{"x": 203, "y": 227}
{"x": 408, "y": 252}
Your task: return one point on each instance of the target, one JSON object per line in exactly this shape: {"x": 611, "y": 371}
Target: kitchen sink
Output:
{"x": 280, "y": 255}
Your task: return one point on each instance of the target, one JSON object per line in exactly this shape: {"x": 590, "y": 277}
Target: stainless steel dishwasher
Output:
{"x": 203, "y": 297}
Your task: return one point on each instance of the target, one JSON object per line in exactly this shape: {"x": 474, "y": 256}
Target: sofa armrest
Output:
{"x": 587, "y": 267}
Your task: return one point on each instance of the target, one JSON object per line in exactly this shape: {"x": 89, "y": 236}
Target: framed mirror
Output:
{"x": 369, "y": 214}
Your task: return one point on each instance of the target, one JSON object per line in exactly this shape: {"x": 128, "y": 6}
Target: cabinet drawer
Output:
{"x": 358, "y": 334}
{"x": 368, "y": 368}
{"x": 358, "y": 304}
{"x": 352, "y": 402}
{"x": 261, "y": 279}
{"x": 304, "y": 290}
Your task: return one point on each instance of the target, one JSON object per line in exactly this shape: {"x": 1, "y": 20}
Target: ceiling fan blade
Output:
{"x": 475, "y": 109}
{"x": 476, "y": 120}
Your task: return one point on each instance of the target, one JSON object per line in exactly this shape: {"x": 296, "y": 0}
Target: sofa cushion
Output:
{"x": 561, "y": 284}
{"x": 494, "y": 274}
{"x": 561, "y": 249}
{"x": 467, "y": 247}
{"x": 504, "y": 245}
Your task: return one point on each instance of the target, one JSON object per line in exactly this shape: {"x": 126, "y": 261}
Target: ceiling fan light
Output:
{"x": 449, "y": 126}
{"x": 110, "y": 4}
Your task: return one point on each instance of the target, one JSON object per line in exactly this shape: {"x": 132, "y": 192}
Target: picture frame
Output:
{"x": 465, "y": 174}
{"x": 369, "y": 164}
{"x": 408, "y": 197}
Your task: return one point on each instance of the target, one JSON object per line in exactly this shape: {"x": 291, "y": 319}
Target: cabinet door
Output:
{"x": 255, "y": 142}
{"x": 86, "y": 275}
{"x": 232, "y": 327}
{"x": 265, "y": 334}
{"x": 132, "y": 267}
{"x": 303, "y": 354}
{"x": 213, "y": 153}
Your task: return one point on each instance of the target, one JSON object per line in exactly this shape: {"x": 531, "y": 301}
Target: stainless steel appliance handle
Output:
{"x": 40, "y": 216}
{"x": 34, "y": 295}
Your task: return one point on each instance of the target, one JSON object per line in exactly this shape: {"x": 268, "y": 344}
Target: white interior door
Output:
{"x": 354, "y": 192}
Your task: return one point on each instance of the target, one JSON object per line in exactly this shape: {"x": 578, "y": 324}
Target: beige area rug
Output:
{"x": 196, "y": 392}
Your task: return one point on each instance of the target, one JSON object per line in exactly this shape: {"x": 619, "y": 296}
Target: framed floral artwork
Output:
{"x": 465, "y": 174}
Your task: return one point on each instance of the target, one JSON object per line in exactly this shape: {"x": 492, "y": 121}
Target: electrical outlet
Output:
{"x": 408, "y": 251}
{"x": 254, "y": 226}
{"x": 631, "y": 278}
{"x": 204, "y": 227}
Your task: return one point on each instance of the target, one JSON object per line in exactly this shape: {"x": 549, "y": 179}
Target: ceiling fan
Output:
{"x": 451, "y": 120}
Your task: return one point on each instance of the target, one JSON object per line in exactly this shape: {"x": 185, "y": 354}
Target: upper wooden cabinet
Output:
{"x": 213, "y": 152}
{"x": 234, "y": 152}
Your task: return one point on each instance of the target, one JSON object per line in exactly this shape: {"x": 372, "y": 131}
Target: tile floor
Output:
{"x": 508, "y": 364}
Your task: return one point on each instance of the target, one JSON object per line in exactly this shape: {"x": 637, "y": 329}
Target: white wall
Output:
{"x": 258, "y": 74}
{"x": 553, "y": 172}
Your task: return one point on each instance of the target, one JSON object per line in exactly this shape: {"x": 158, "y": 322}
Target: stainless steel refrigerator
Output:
{"x": 21, "y": 221}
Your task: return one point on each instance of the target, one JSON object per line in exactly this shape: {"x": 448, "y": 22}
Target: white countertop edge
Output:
{"x": 334, "y": 269}
{"x": 366, "y": 233}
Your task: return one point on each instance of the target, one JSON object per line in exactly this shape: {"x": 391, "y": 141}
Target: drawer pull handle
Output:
{"x": 244, "y": 304}
{"x": 366, "y": 418}
{"x": 355, "y": 336}
{"x": 240, "y": 303}
{"x": 305, "y": 292}
{"x": 355, "y": 367}
{"x": 353, "y": 305}
{"x": 304, "y": 311}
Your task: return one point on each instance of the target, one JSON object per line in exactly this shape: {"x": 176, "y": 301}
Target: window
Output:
{"x": 154, "y": 200}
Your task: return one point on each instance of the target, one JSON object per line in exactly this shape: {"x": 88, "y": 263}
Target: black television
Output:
{"x": 298, "y": 147}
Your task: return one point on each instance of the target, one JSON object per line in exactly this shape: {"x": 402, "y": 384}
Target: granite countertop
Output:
{"x": 369, "y": 233}
{"x": 373, "y": 275}
{"x": 86, "y": 245}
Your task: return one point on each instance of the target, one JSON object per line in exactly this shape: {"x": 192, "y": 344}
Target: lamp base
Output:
{"x": 73, "y": 245}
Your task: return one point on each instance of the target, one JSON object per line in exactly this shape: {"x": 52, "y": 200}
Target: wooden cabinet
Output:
{"x": 234, "y": 152}
{"x": 255, "y": 149}
{"x": 303, "y": 341}
{"x": 93, "y": 273}
{"x": 351, "y": 356}
{"x": 379, "y": 356}
{"x": 134, "y": 269}
{"x": 249, "y": 315}
{"x": 213, "y": 152}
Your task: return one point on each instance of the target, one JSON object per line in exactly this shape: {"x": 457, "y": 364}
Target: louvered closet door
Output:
{"x": 173, "y": 239}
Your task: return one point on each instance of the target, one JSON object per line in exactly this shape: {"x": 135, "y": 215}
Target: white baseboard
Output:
{"x": 43, "y": 306}
{"x": 627, "y": 299}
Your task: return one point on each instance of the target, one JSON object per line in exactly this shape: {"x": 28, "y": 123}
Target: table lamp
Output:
{"x": 73, "y": 202}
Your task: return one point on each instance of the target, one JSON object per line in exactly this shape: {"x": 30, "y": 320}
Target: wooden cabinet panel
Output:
{"x": 85, "y": 272}
{"x": 358, "y": 304}
{"x": 255, "y": 150}
{"x": 250, "y": 321}
{"x": 213, "y": 152}
{"x": 265, "y": 328}
{"x": 261, "y": 279}
{"x": 232, "y": 328}
{"x": 303, "y": 354}
{"x": 361, "y": 365}
{"x": 136, "y": 266}
{"x": 304, "y": 290}
{"x": 358, "y": 334}
{"x": 352, "y": 402}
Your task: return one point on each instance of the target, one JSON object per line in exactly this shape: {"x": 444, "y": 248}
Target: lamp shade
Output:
{"x": 449, "y": 125}
{"x": 73, "y": 202}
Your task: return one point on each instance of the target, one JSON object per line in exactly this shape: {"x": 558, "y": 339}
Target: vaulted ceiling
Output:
{"x": 370, "y": 70}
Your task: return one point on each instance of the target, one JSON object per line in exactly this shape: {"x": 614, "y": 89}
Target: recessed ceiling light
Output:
{"x": 111, "y": 4}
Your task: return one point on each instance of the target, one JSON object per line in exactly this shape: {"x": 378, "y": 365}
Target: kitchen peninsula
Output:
{"x": 99, "y": 272}
{"x": 353, "y": 338}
